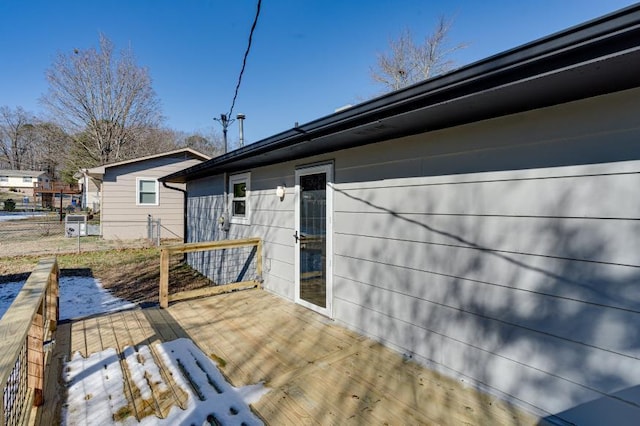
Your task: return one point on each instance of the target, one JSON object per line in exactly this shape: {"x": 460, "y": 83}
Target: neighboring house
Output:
{"x": 90, "y": 188}
{"x": 23, "y": 181}
{"x": 486, "y": 223}
{"x": 130, "y": 193}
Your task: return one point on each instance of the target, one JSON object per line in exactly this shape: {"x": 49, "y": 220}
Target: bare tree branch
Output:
{"x": 408, "y": 63}
{"x": 16, "y": 138}
{"x": 105, "y": 97}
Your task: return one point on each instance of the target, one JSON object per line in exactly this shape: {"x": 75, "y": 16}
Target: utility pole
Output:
{"x": 225, "y": 122}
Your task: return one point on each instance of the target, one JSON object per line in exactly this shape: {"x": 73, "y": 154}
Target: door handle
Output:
{"x": 300, "y": 237}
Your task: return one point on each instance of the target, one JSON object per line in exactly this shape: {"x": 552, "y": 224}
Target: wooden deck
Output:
{"x": 318, "y": 372}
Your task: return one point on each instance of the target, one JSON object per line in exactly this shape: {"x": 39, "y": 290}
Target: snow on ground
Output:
{"x": 96, "y": 388}
{"x": 4, "y": 216}
{"x": 84, "y": 296}
{"x": 96, "y": 392}
{"x": 79, "y": 297}
{"x": 8, "y": 292}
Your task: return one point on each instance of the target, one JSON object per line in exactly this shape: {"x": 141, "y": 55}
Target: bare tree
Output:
{"x": 211, "y": 145}
{"x": 50, "y": 147}
{"x": 408, "y": 63}
{"x": 16, "y": 138}
{"x": 153, "y": 141}
{"x": 104, "y": 96}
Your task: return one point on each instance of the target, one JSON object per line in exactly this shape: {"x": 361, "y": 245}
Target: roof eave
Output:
{"x": 548, "y": 71}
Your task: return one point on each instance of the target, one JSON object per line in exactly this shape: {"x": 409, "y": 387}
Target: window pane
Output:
{"x": 240, "y": 190}
{"x": 147, "y": 186}
{"x": 238, "y": 208}
{"x": 147, "y": 198}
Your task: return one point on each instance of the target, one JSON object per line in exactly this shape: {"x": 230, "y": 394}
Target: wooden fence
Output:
{"x": 26, "y": 327}
{"x": 167, "y": 251}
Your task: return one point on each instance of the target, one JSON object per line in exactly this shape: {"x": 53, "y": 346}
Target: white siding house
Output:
{"x": 23, "y": 181}
{"x": 130, "y": 193}
{"x": 485, "y": 223}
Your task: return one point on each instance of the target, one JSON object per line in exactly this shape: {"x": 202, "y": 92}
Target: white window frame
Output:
{"x": 4, "y": 178}
{"x": 27, "y": 179}
{"x": 157, "y": 190}
{"x": 235, "y": 179}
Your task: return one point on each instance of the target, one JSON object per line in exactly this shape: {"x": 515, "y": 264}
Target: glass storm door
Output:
{"x": 313, "y": 237}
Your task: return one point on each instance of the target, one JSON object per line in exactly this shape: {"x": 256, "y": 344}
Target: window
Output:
{"x": 239, "y": 191}
{"x": 4, "y": 178}
{"x": 27, "y": 179}
{"x": 147, "y": 192}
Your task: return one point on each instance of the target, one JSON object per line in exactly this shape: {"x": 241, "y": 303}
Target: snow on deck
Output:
{"x": 97, "y": 396}
{"x": 316, "y": 371}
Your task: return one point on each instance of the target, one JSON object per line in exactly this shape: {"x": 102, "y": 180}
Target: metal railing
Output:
{"x": 229, "y": 264}
{"x": 28, "y": 324}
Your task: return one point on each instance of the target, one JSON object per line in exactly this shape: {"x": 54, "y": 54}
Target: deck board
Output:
{"x": 318, "y": 372}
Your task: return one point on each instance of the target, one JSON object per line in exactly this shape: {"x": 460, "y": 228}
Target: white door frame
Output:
{"x": 326, "y": 168}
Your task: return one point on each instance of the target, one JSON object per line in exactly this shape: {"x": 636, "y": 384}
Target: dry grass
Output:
{"x": 129, "y": 269}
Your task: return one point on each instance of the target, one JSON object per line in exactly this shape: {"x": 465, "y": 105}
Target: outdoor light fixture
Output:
{"x": 280, "y": 192}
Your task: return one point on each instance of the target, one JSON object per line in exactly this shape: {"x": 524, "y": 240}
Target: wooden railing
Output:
{"x": 219, "y": 287}
{"x": 28, "y": 324}
{"x": 56, "y": 187}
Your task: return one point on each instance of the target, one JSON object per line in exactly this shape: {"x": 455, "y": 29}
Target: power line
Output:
{"x": 225, "y": 119}
{"x": 244, "y": 60}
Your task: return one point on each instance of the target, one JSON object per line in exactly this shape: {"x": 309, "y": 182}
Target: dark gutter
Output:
{"x": 481, "y": 90}
{"x": 184, "y": 210}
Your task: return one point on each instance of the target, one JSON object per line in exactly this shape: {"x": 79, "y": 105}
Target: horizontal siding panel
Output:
{"x": 276, "y": 219}
{"x": 267, "y": 200}
{"x": 279, "y": 174}
{"x": 279, "y": 268}
{"x": 611, "y": 196}
{"x": 608, "y": 285}
{"x": 119, "y": 215}
{"x": 280, "y": 236}
{"x": 584, "y": 239}
{"x": 591, "y": 325}
{"x": 453, "y": 163}
{"x": 279, "y": 252}
{"x": 604, "y": 117}
{"x": 576, "y": 171}
{"x": 278, "y": 285}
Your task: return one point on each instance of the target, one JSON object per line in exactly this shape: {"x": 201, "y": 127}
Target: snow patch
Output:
{"x": 94, "y": 399}
{"x": 79, "y": 297}
{"x": 95, "y": 389}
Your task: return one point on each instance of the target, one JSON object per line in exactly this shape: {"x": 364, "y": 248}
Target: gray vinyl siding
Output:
{"x": 271, "y": 220}
{"x": 122, "y": 218}
{"x": 504, "y": 252}
{"x": 498, "y": 252}
{"x": 205, "y": 206}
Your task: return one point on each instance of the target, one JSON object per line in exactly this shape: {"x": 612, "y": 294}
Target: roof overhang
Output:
{"x": 99, "y": 171}
{"x": 596, "y": 58}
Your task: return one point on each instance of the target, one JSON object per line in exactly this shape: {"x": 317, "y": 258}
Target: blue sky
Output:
{"x": 308, "y": 57}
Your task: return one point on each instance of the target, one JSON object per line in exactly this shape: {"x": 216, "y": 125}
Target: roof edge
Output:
{"x": 469, "y": 77}
{"x": 100, "y": 170}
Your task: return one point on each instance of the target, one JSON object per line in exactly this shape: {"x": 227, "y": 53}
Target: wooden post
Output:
{"x": 164, "y": 278}
{"x": 259, "y": 263}
{"x": 35, "y": 358}
{"x": 204, "y": 246}
{"x": 61, "y": 205}
{"x": 53, "y": 298}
